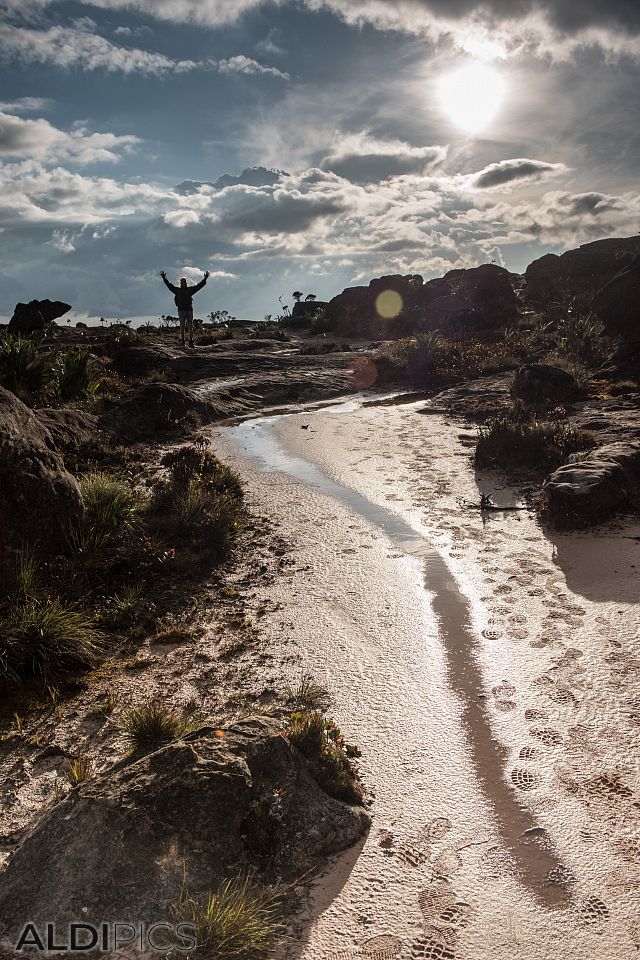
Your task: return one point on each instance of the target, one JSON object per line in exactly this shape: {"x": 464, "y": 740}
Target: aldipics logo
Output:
{"x": 109, "y": 938}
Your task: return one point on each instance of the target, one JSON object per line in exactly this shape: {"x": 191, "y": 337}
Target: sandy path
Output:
{"x": 490, "y": 676}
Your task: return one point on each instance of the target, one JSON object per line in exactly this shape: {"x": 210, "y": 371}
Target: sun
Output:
{"x": 472, "y": 95}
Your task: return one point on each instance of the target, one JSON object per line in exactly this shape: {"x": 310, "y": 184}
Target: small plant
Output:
{"x": 152, "y": 724}
{"x": 111, "y": 518}
{"x": 78, "y": 771}
{"x": 578, "y": 333}
{"x": 307, "y": 694}
{"x": 27, "y": 573}
{"x": 240, "y": 920}
{"x": 330, "y": 757}
{"x": 77, "y": 375}
{"x": 26, "y": 371}
{"x": 41, "y": 640}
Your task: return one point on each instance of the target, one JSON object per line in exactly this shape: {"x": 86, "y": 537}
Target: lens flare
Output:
{"x": 389, "y": 303}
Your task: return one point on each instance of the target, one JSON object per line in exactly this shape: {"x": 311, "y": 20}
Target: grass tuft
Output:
{"x": 240, "y": 920}
{"x": 79, "y": 771}
{"x": 307, "y": 694}
{"x": 511, "y": 442}
{"x": 41, "y": 640}
{"x": 152, "y": 724}
{"x": 111, "y": 518}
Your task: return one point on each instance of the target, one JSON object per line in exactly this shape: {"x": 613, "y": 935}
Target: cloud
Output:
{"x": 507, "y": 171}
{"x": 40, "y": 140}
{"x": 26, "y": 105}
{"x": 246, "y": 65}
{"x": 79, "y": 47}
{"x": 362, "y": 158}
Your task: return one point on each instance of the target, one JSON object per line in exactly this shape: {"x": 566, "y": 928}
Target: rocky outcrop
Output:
{"x": 541, "y": 383}
{"x": 580, "y": 272}
{"x": 125, "y": 844}
{"x": 36, "y": 315}
{"x": 592, "y": 488}
{"x": 476, "y": 299}
{"x": 69, "y": 429}
{"x": 39, "y": 500}
{"x": 141, "y": 359}
{"x": 307, "y": 310}
{"x": 617, "y": 304}
{"x": 157, "y": 409}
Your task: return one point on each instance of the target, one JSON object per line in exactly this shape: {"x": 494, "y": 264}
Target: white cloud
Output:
{"x": 246, "y": 65}
{"x": 78, "y": 47}
{"x": 26, "y": 105}
{"x": 40, "y": 140}
{"x": 363, "y": 158}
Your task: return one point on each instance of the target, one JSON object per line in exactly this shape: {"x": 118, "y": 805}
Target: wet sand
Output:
{"x": 490, "y": 674}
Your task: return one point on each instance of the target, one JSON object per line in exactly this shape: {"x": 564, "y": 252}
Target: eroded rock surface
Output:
{"x": 39, "y": 500}
{"x": 36, "y": 315}
{"x": 536, "y": 382}
{"x": 127, "y": 843}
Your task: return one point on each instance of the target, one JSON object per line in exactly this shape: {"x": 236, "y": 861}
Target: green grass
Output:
{"x": 330, "y": 757}
{"x": 77, "y": 375}
{"x": 46, "y": 640}
{"x": 111, "y": 519}
{"x": 240, "y": 920}
{"x": 26, "y": 371}
{"x": 78, "y": 771}
{"x": 153, "y": 724}
{"x": 509, "y": 442}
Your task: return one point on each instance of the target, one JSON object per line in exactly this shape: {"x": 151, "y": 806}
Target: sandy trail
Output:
{"x": 490, "y": 676}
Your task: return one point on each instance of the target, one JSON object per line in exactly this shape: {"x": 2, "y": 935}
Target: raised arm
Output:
{"x": 200, "y": 285}
{"x": 166, "y": 282}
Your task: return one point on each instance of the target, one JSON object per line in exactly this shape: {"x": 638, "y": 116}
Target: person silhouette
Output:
{"x": 183, "y": 296}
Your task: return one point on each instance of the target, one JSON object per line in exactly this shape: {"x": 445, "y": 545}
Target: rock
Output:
{"x": 479, "y": 298}
{"x": 126, "y": 843}
{"x": 81, "y": 325}
{"x": 590, "y": 490}
{"x": 307, "y": 310}
{"x": 141, "y": 359}
{"x": 39, "y": 500}
{"x": 69, "y": 429}
{"x": 36, "y": 315}
{"x": 540, "y": 383}
{"x": 579, "y": 272}
{"x": 155, "y": 409}
{"x": 617, "y": 303}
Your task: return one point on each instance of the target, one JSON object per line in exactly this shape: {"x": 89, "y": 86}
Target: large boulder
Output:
{"x": 580, "y": 272}
{"x": 542, "y": 384}
{"x": 157, "y": 409}
{"x": 39, "y": 500}
{"x": 478, "y": 299}
{"x": 127, "y": 843}
{"x": 141, "y": 358}
{"x": 36, "y": 315}
{"x": 304, "y": 311}
{"x": 69, "y": 429}
{"x": 617, "y": 303}
{"x": 592, "y": 488}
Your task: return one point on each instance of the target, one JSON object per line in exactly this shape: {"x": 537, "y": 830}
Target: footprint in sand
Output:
{"x": 378, "y": 948}
{"x": 503, "y": 694}
{"x": 547, "y": 735}
{"x": 524, "y": 779}
{"x": 592, "y": 911}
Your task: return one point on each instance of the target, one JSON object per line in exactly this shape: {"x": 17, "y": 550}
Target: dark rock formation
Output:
{"x": 580, "y": 272}
{"x": 307, "y": 310}
{"x": 477, "y": 299}
{"x": 69, "y": 429}
{"x": 158, "y": 409}
{"x": 81, "y": 325}
{"x": 39, "y": 500}
{"x": 125, "y": 844}
{"x": 141, "y": 359}
{"x": 37, "y": 315}
{"x": 540, "y": 383}
{"x": 591, "y": 489}
{"x": 617, "y": 304}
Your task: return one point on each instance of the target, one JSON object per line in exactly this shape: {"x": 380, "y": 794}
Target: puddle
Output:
{"x": 215, "y": 386}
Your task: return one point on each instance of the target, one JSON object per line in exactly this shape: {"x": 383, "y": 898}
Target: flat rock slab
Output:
{"x": 124, "y": 845}
{"x": 606, "y": 480}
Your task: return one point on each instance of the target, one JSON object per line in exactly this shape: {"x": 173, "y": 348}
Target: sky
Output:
{"x": 307, "y": 145}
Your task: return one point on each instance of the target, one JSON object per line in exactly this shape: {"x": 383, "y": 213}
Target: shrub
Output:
{"x": 31, "y": 375}
{"x": 76, "y": 375}
{"x": 508, "y": 441}
{"x": 578, "y": 333}
{"x": 201, "y": 503}
{"x": 240, "y": 920}
{"x": 153, "y": 724}
{"x": 45, "y": 640}
{"x": 430, "y": 358}
{"x": 330, "y": 757}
